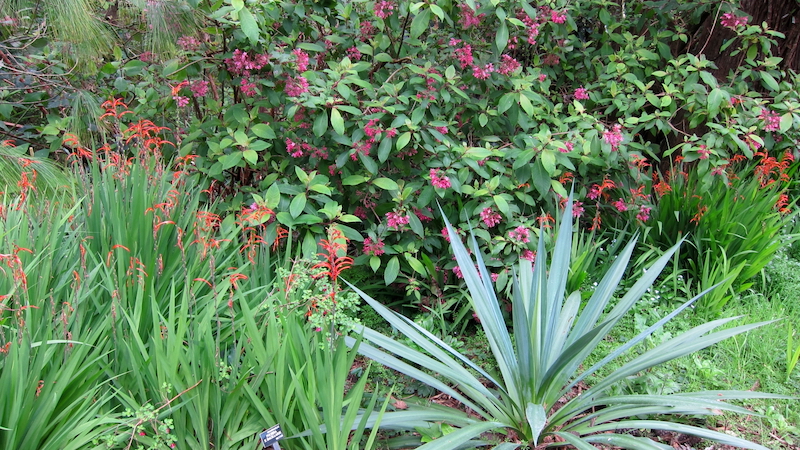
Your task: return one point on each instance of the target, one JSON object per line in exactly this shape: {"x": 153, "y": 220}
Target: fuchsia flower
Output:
{"x": 464, "y": 56}
{"x": 383, "y": 9}
{"x": 482, "y": 73}
{"x": 772, "y": 121}
{"x": 468, "y": 17}
{"x": 704, "y": 152}
{"x": 354, "y": 54}
{"x": 508, "y": 65}
{"x": 620, "y": 205}
{"x": 644, "y": 213}
{"x": 731, "y": 21}
{"x": 199, "y": 88}
{"x": 613, "y": 137}
{"x": 490, "y": 218}
{"x": 296, "y": 86}
{"x": 248, "y": 87}
{"x": 373, "y": 248}
{"x": 558, "y": 16}
{"x": 581, "y": 94}
{"x": 520, "y": 234}
{"x": 439, "y": 179}
{"x": 396, "y": 221}
{"x": 181, "y": 101}
{"x": 529, "y": 255}
{"x": 301, "y": 60}
{"x": 577, "y": 209}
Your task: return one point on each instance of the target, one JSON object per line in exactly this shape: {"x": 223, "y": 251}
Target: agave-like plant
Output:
{"x": 553, "y": 334}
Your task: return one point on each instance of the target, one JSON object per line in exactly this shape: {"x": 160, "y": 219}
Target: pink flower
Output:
{"x": 644, "y": 213}
{"x": 301, "y": 60}
{"x": 558, "y": 16}
{"x": 508, "y": 65}
{"x": 199, "y": 88}
{"x": 188, "y": 43}
{"x": 542, "y": 77}
{"x": 581, "y": 94}
{"x": 520, "y": 235}
{"x": 468, "y": 17}
{"x": 568, "y": 146}
{"x": 620, "y": 205}
{"x": 594, "y": 192}
{"x": 704, "y": 152}
{"x": 464, "y": 55}
{"x": 296, "y": 86}
{"x": 248, "y": 87}
{"x": 457, "y": 271}
{"x": 383, "y": 9}
{"x": 181, "y": 100}
{"x": 373, "y": 248}
{"x": 772, "y": 121}
{"x": 396, "y": 221}
{"x": 422, "y": 216}
{"x": 439, "y": 179}
{"x": 482, "y": 73}
{"x": 293, "y": 148}
{"x": 360, "y": 212}
{"x": 490, "y": 218}
{"x": 354, "y": 54}
{"x": 731, "y": 21}
{"x": 577, "y": 209}
{"x": 529, "y": 255}
{"x": 613, "y": 137}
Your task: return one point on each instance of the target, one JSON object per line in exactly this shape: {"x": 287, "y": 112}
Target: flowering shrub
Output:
{"x": 366, "y": 115}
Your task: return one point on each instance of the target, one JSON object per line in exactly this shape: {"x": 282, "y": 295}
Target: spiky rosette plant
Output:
{"x": 553, "y": 334}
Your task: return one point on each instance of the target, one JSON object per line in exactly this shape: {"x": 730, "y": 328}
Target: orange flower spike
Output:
{"x": 108, "y": 256}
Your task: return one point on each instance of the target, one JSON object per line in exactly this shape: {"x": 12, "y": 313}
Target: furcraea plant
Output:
{"x": 541, "y": 359}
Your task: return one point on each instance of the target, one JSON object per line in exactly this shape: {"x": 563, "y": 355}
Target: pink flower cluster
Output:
{"x": 520, "y": 234}
{"x": 241, "y": 63}
{"x": 396, "y": 221}
{"x": 508, "y": 65}
{"x": 577, "y": 209}
{"x": 772, "y": 121}
{"x": 296, "y": 86}
{"x": 558, "y": 16}
{"x": 468, "y": 17}
{"x": 367, "y": 30}
{"x": 439, "y": 179}
{"x": 484, "y": 72}
{"x": 383, "y": 8}
{"x": 189, "y": 43}
{"x": 620, "y": 205}
{"x": 613, "y": 137}
{"x": 463, "y": 54}
{"x": 644, "y": 213}
{"x": 373, "y": 248}
{"x": 248, "y": 87}
{"x": 581, "y": 94}
{"x": 301, "y": 60}
{"x": 531, "y": 24}
{"x": 732, "y": 21}
{"x": 199, "y": 88}
{"x": 354, "y": 54}
{"x": 490, "y": 217}
{"x": 298, "y": 150}
{"x": 704, "y": 152}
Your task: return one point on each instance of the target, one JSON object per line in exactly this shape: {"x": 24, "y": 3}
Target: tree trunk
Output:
{"x": 780, "y": 15}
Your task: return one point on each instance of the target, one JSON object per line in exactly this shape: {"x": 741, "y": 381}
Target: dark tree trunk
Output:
{"x": 780, "y": 15}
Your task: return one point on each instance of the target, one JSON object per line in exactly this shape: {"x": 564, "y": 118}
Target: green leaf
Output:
{"x": 354, "y": 180}
{"x": 502, "y": 204}
{"x": 297, "y": 205}
{"x": 385, "y": 149}
{"x": 420, "y": 23}
{"x": 237, "y": 4}
{"x": 391, "y": 271}
{"x": 386, "y": 184}
{"x": 770, "y": 81}
{"x": 403, "y": 140}
{"x": 250, "y": 156}
{"x": 273, "y": 196}
{"x": 501, "y": 39}
{"x": 337, "y": 122}
{"x": 526, "y": 105}
{"x": 505, "y": 102}
{"x": 714, "y": 100}
{"x": 537, "y": 419}
{"x": 231, "y": 160}
{"x": 549, "y": 162}
{"x": 787, "y": 120}
{"x": 321, "y": 123}
{"x": 375, "y": 263}
{"x": 249, "y": 25}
